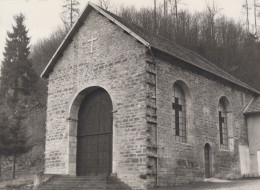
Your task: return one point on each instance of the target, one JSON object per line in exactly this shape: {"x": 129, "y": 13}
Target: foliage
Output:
{"x": 105, "y": 4}
{"x": 70, "y": 12}
{"x": 17, "y": 72}
{"x": 44, "y": 49}
{"x": 214, "y": 36}
{"x": 30, "y": 107}
{"x": 14, "y": 137}
{"x": 17, "y": 87}
{"x": 41, "y": 53}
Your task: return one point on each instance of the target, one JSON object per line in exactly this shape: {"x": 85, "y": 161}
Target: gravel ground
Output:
{"x": 245, "y": 184}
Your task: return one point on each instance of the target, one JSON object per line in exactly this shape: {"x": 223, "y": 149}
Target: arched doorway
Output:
{"x": 94, "y": 134}
{"x": 207, "y": 159}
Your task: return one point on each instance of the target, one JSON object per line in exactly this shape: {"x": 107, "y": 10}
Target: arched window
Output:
{"x": 179, "y": 113}
{"x": 223, "y": 120}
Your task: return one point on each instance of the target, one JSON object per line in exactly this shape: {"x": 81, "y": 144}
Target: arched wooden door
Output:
{"x": 94, "y": 137}
{"x": 207, "y": 160}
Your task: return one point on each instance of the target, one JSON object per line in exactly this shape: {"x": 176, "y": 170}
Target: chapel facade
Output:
{"x": 125, "y": 102}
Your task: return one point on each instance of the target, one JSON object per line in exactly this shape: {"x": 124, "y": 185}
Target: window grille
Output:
{"x": 179, "y": 113}
{"x": 223, "y": 135}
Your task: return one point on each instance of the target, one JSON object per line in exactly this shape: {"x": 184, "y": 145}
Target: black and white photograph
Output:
{"x": 130, "y": 94}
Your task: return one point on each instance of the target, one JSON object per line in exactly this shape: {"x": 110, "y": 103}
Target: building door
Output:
{"x": 207, "y": 160}
{"x": 94, "y": 137}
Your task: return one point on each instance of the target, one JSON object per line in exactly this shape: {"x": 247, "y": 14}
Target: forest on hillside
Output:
{"x": 229, "y": 44}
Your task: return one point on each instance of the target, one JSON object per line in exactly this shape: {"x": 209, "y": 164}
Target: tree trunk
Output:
{"x": 255, "y": 17}
{"x": 247, "y": 16}
{"x": 177, "y": 19}
{"x": 165, "y": 9}
{"x": 155, "y": 19}
{"x": 14, "y": 159}
{"x": 71, "y": 22}
{"x": 0, "y": 166}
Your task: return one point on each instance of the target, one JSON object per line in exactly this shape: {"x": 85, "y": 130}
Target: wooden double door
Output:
{"x": 94, "y": 137}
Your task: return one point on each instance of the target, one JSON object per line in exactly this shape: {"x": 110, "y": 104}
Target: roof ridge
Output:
{"x": 149, "y": 39}
{"x": 179, "y": 46}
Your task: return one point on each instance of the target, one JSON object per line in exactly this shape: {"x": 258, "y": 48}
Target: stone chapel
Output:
{"x": 126, "y": 102}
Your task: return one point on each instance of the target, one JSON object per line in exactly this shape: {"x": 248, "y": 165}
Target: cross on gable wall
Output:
{"x": 91, "y": 41}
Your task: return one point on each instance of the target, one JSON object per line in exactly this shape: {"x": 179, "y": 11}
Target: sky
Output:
{"x": 43, "y": 16}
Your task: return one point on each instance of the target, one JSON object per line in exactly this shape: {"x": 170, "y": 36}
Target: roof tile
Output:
{"x": 178, "y": 51}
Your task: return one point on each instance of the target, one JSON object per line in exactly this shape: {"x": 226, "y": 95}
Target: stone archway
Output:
{"x": 90, "y": 132}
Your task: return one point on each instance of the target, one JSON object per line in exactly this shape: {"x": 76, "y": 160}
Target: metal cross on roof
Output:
{"x": 91, "y": 42}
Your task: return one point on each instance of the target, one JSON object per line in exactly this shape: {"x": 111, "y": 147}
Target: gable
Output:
{"x": 74, "y": 30}
{"x": 110, "y": 45}
{"x": 151, "y": 41}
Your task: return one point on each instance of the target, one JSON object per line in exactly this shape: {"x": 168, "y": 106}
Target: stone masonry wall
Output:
{"x": 184, "y": 162}
{"x": 117, "y": 65}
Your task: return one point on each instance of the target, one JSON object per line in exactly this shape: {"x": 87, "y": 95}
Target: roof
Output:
{"x": 254, "y": 107}
{"x": 150, "y": 40}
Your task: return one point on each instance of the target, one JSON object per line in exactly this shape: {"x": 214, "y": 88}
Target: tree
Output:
{"x": 165, "y": 8}
{"x": 13, "y": 138}
{"x": 155, "y": 17}
{"x": 219, "y": 39}
{"x": 1, "y": 128}
{"x": 17, "y": 74}
{"x": 176, "y": 17}
{"x": 247, "y": 8}
{"x": 256, "y": 14}
{"x": 105, "y": 4}
{"x": 2, "y": 136}
{"x": 70, "y": 12}
{"x": 18, "y": 80}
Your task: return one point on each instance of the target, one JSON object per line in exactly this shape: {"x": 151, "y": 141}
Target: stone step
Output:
{"x": 80, "y": 180}
{"x": 69, "y": 188}
{"x": 84, "y": 182}
{"x": 75, "y": 185}
{"x": 81, "y": 177}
